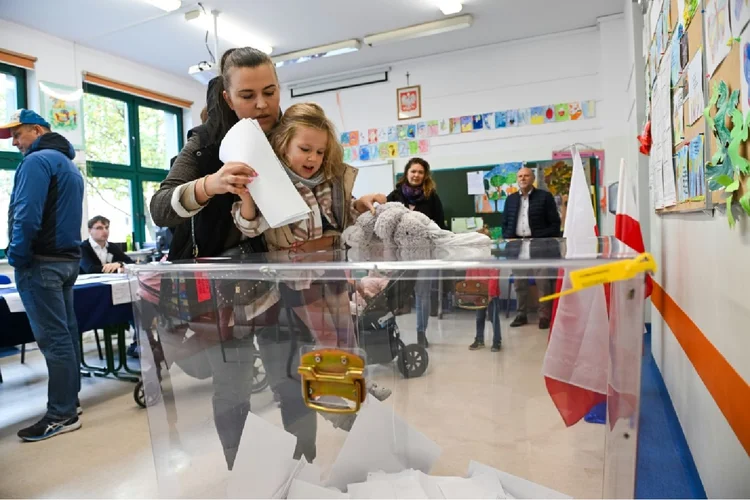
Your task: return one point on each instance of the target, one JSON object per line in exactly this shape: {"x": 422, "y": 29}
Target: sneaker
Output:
{"x": 520, "y": 320}
{"x": 47, "y": 428}
{"x": 79, "y": 410}
{"x": 134, "y": 351}
{"x": 543, "y": 324}
{"x": 496, "y": 347}
{"x": 476, "y": 346}
{"x": 379, "y": 393}
{"x": 422, "y": 340}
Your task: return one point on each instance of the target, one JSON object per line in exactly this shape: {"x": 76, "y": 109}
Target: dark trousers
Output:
{"x": 493, "y": 311}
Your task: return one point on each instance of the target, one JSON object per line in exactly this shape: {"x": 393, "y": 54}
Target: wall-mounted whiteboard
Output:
{"x": 374, "y": 178}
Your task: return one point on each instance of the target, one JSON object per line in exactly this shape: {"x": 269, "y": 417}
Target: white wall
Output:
{"x": 61, "y": 61}
{"x": 579, "y": 65}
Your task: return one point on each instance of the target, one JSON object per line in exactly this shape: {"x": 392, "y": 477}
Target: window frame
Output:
{"x": 9, "y": 160}
{"x": 133, "y": 172}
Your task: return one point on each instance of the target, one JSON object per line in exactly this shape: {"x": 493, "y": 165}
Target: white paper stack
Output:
{"x": 273, "y": 191}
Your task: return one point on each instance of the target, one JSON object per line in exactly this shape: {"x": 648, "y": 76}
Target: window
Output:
{"x": 12, "y": 97}
{"x": 130, "y": 141}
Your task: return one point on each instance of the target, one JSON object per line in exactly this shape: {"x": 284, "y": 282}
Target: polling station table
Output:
{"x": 102, "y": 302}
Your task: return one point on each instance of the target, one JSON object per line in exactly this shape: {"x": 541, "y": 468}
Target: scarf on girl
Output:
{"x": 412, "y": 194}
{"x": 310, "y": 183}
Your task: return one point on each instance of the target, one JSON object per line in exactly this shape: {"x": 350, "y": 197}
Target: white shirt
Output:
{"x": 101, "y": 252}
{"x": 523, "y": 229}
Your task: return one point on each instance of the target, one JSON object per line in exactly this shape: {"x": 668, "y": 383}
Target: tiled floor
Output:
{"x": 489, "y": 407}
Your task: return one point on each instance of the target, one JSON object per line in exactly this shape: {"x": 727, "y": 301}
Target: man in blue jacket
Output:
{"x": 44, "y": 226}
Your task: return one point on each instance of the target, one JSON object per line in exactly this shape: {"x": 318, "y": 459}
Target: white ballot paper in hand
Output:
{"x": 381, "y": 441}
{"x": 274, "y": 193}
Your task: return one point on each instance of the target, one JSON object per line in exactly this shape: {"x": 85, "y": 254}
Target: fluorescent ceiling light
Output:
{"x": 450, "y": 7}
{"x": 167, "y": 5}
{"x": 227, "y": 30}
{"x": 300, "y": 56}
{"x": 420, "y": 30}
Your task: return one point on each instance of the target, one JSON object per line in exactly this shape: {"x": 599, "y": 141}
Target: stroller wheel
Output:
{"x": 413, "y": 360}
{"x": 139, "y": 395}
{"x": 260, "y": 377}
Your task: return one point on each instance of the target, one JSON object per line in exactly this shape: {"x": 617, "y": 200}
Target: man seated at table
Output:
{"x": 97, "y": 254}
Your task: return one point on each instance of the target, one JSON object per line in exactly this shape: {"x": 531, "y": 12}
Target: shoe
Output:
{"x": 47, "y": 428}
{"x": 520, "y": 320}
{"x": 543, "y": 324}
{"x": 79, "y": 410}
{"x": 134, "y": 351}
{"x": 422, "y": 340}
{"x": 476, "y": 346}
{"x": 379, "y": 393}
{"x": 496, "y": 347}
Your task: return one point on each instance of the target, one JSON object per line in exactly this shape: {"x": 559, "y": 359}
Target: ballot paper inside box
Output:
{"x": 228, "y": 418}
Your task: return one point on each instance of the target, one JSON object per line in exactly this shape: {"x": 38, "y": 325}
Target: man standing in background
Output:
{"x": 531, "y": 213}
{"x": 44, "y": 226}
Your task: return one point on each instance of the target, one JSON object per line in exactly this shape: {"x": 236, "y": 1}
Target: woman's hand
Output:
{"x": 367, "y": 202}
{"x": 233, "y": 178}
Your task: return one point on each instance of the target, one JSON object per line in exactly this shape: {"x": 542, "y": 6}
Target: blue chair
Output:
{"x": 4, "y": 280}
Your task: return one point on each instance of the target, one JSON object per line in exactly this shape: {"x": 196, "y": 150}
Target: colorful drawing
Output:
{"x": 363, "y": 139}
{"x": 392, "y": 134}
{"x": 411, "y": 131}
{"x": 511, "y": 118}
{"x": 740, "y": 10}
{"x": 445, "y": 126}
{"x": 402, "y": 133}
{"x": 589, "y": 109}
{"x": 383, "y": 153}
{"x": 372, "y": 136}
{"x": 537, "y": 115}
{"x": 499, "y": 183}
{"x": 478, "y": 122}
{"x": 717, "y": 32}
{"x": 354, "y": 138}
{"x": 345, "y": 138}
{"x": 373, "y": 151}
{"x": 433, "y": 128}
{"x": 678, "y": 116}
{"x": 355, "y": 153}
{"x": 562, "y": 112}
{"x": 413, "y": 148}
{"x": 393, "y": 150}
{"x": 556, "y": 175}
{"x": 501, "y": 119}
{"x": 549, "y": 114}
{"x": 488, "y": 121}
{"x": 696, "y": 167}
{"x": 691, "y": 7}
{"x": 467, "y": 124}
{"x": 745, "y": 72}
{"x": 683, "y": 177}
{"x": 575, "y": 111}
{"x": 424, "y": 147}
{"x": 422, "y": 129}
{"x": 674, "y": 56}
{"x": 455, "y": 125}
{"x": 347, "y": 155}
{"x": 483, "y": 205}
{"x": 382, "y": 135}
{"x": 524, "y": 117}
{"x": 403, "y": 149}
{"x": 364, "y": 153}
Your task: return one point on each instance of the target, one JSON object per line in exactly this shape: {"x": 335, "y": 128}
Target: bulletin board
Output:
{"x": 729, "y": 71}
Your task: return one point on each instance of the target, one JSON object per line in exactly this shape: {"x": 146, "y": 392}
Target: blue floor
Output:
{"x": 665, "y": 467}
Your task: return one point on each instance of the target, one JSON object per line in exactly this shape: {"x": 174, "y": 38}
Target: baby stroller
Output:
{"x": 378, "y": 334}
{"x": 188, "y": 352}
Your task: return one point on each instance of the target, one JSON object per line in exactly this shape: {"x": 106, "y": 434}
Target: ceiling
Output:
{"x": 145, "y": 34}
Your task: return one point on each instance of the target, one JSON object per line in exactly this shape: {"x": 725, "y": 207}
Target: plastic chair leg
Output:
{"x": 23, "y": 353}
{"x": 98, "y": 345}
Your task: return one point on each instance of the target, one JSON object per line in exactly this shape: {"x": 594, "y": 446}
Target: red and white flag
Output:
{"x": 627, "y": 225}
{"x": 575, "y": 365}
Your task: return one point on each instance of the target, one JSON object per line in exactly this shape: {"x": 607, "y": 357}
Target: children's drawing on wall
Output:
{"x": 392, "y": 134}
{"x": 745, "y": 72}
{"x": 740, "y": 12}
{"x": 467, "y": 124}
{"x": 433, "y": 128}
{"x": 524, "y": 117}
{"x": 562, "y": 112}
{"x": 488, "y": 121}
{"x": 478, "y": 123}
{"x": 445, "y": 126}
{"x": 574, "y": 111}
{"x": 499, "y": 183}
{"x": 455, "y": 125}
{"x": 718, "y": 33}
{"x": 512, "y": 118}
{"x": 549, "y": 114}
{"x": 500, "y": 119}
{"x": 537, "y": 115}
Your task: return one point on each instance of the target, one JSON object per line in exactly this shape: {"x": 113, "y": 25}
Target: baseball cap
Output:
{"x": 22, "y": 117}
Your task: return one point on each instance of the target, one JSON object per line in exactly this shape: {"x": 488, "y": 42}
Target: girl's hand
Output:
{"x": 367, "y": 202}
{"x": 233, "y": 177}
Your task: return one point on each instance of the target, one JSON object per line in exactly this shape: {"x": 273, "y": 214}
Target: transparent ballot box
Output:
{"x": 359, "y": 374}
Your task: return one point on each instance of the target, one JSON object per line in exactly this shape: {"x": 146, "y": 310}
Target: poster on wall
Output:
{"x": 739, "y": 11}
{"x": 695, "y": 88}
{"x": 409, "y": 101}
{"x": 62, "y": 107}
{"x": 718, "y": 33}
{"x": 499, "y": 183}
{"x": 745, "y": 72}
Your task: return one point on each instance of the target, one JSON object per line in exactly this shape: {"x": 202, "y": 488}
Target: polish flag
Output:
{"x": 627, "y": 227}
{"x": 575, "y": 364}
